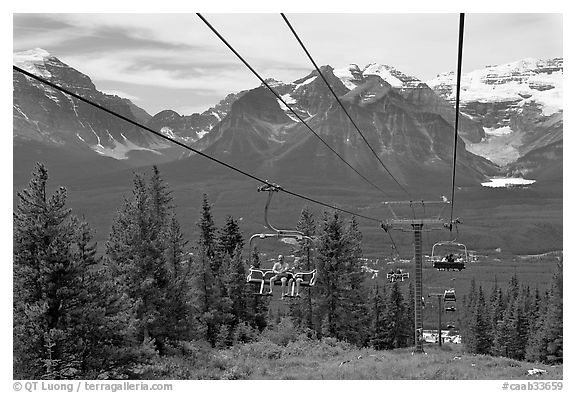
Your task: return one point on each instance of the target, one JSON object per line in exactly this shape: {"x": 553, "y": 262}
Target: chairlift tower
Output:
{"x": 401, "y": 220}
{"x": 440, "y": 297}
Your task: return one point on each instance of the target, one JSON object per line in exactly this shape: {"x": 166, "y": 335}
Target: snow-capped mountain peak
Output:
{"x": 33, "y": 61}
{"x": 352, "y": 75}
{"x": 522, "y": 81}
{"x": 383, "y": 72}
{"x": 348, "y": 74}
{"x": 31, "y": 56}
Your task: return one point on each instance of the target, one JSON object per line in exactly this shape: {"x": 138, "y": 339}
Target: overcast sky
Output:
{"x": 173, "y": 61}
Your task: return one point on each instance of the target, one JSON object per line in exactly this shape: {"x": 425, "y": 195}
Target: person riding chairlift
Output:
{"x": 448, "y": 258}
{"x": 294, "y": 283}
{"x": 281, "y": 269}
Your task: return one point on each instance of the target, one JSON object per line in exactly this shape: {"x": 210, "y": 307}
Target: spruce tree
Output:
{"x": 553, "y": 326}
{"x": 229, "y": 237}
{"x": 395, "y": 320}
{"x": 237, "y": 290}
{"x": 341, "y": 305}
{"x": 147, "y": 249}
{"x": 480, "y": 328}
{"x": 302, "y": 312}
{"x": 207, "y": 293}
{"x": 469, "y": 306}
{"x": 537, "y": 343}
{"x": 377, "y": 314}
{"x": 353, "y": 302}
{"x": 496, "y": 311}
{"x": 207, "y": 240}
{"x": 68, "y": 321}
{"x": 44, "y": 276}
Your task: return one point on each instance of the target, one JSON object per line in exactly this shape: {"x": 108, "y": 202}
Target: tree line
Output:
{"x": 516, "y": 322}
{"x": 81, "y": 315}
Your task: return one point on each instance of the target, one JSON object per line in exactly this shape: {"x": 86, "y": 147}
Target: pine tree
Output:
{"x": 44, "y": 274}
{"x": 330, "y": 261}
{"x": 303, "y": 311}
{"x": 482, "y": 340}
{"x": 553, "y": 325}
{"x": 341, "y": 293}
{"x": 467, "y": 322}
{"x": 512, "y": 330}
{"x": 396, "y": 335}
{"x": 235, "y": 278}
{"x": 207, "y": 295}
{"x": 258, "y": 305}
{"x": 68, "y": 321}
{"x": 229, "y": 237}
{"x": 354, "y": 298}
{"x": 496, "y": 310}
{"x": 377, "y": 313}
{"x": 517, "y": 345}
{"x": 160, "y": 200}
{"x": 178, "y": 317}
{"x": 504, "y": 332}
{"x": 537, "y": 343}
{"x": 147, "y": 249}
{"x": 207, "y": 241}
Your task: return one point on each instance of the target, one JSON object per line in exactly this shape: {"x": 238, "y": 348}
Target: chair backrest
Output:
{"x": 257, "y": 275}
{"x": 308, "y": 278}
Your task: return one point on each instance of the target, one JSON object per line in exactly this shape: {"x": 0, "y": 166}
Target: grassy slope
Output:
{"x": 401, "y": 364}
{"x": 318, "y": 360}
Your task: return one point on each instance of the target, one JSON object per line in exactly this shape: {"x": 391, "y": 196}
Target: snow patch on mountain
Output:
{"x": 523, "y": 82}
{"x": 383, "y": 72}
{"x": 167, "y": 131}
{"x": 498, "y": 131}
{"x": 200, "y": 134}
{"x": 33, "y": 61}
{"x": 501, "y": 146}
{"x": 120, "y": 150}
{"x": 20, "y": 111}
{"x": 288, "y": 99}
{"x": 346, "y": 76}
{"x": 307, "y": 81}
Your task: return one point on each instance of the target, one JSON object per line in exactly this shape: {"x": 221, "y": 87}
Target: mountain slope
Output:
{"x": 415, "y": 145}
{"x": 519, "y": 105}
{"x": 46, "y": 115}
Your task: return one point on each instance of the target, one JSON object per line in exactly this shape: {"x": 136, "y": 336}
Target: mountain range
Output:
{"x": 510, "y": 123}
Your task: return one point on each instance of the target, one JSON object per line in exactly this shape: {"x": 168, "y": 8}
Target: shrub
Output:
{"x": 283, "y": 333}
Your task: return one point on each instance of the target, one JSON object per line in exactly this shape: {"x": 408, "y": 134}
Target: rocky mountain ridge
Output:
{"x": 406, "y": 120}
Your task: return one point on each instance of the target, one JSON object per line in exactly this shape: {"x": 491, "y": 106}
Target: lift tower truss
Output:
{"x": 411, "y": 216}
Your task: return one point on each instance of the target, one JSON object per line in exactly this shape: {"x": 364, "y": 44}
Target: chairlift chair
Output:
{"x": 450, "y": 295}
{"x": 261, "y": 276}
{"x": 449, "y": 255}
{"x": 275, "y": 233}
{"x": 398, "y": 275}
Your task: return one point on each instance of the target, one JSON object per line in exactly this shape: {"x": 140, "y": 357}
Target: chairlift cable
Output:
{"x": 340, "y": 102}
{"x": 160, "y": 135}
{"x": 279, "y": 97}
{"x": 458, "y": 78}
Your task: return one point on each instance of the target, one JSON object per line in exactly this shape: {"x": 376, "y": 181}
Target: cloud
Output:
{"x": 120, "y": 94}
{"x": 129, "y": 70}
